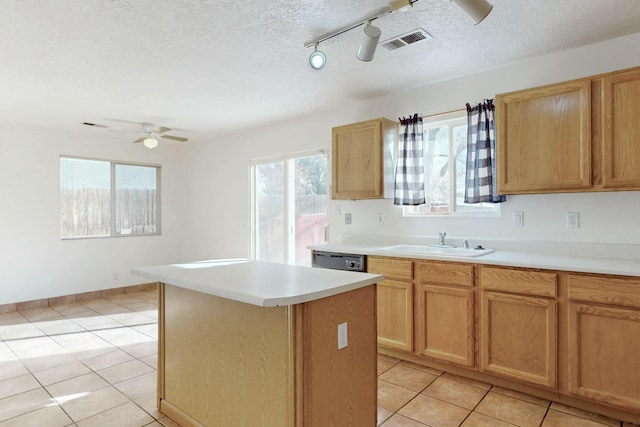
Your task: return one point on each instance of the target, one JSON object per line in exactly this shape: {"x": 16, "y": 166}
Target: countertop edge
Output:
{"x": 165, "y": 274}
{"x": 577, "y": 264}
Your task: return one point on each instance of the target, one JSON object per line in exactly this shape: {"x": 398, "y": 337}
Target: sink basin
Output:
{"x": 436, "y": 250}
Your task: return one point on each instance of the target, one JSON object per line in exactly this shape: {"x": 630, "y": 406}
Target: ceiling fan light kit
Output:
{"x": 150, "y": 142}
{"x": 475, "y": 10}
{"x": 152, "y": 134}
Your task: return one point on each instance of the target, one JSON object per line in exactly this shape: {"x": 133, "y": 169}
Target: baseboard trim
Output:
{"x": 68, "y": 299}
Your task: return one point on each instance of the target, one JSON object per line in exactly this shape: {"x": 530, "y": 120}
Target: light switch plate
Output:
{"x": 347, "y": 218}
{"x": 518, "y": 219}
{"x": 343, "y": 339}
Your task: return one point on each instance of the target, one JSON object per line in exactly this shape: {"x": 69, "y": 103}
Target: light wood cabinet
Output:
{"x": 445, "y": 312}
{"x": 569, "y": 337}
{"x": 574, "y": 136}
{"x": 518, "y": 324}
{"x": 604, "y": 339}
{"x": 226, "y": 363}
{"x": 362, "y": 156}
{"x": 621, "y": 130}
{"x": 394, "y": 303}
{"x": 544, "y": 139}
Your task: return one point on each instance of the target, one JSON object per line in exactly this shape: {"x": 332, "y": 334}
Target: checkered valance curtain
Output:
{"x": 481, "y": 155}
{"x": 409, "y": 182}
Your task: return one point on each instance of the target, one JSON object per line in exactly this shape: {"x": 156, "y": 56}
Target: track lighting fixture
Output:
{"x": 369, "y": 43}
{"x": 476, "y": 10}
{"x": 317, "y": 59}
{"x": 401, "y": 5}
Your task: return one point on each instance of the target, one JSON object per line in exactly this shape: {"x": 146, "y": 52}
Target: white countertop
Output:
{"x": 257, "y": 282}
{"x": 595, "y": 260}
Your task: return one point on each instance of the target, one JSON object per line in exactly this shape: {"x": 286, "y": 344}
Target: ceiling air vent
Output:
{"x": 405, "y": 39}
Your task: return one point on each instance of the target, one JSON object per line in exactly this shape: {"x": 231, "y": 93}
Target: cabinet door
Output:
{"x": 519, "y": 337}
{"x": 446, "y": 324}
{"x": 621, "y": 130}
{"x": 395, "y": 314}
{"x": 604, "y": 354}
{"x": 357, "y": 161}
{"x": 543, "y": 141}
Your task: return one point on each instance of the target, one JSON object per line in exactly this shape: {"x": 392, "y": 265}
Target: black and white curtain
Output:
{"x": 409, "y": 180}
{"x": 480, "y": 183}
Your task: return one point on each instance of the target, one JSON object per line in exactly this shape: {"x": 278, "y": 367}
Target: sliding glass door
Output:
{"x": 289, "y": 206}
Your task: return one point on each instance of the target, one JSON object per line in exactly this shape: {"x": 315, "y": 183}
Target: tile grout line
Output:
{"x": 72, "y": 353}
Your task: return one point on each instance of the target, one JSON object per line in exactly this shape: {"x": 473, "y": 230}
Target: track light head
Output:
{"x": 317, "y": 59}
{"x": 476, "y": 10}
{"x": 369, "y": 43}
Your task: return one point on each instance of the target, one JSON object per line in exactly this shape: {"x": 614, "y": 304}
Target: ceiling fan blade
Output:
{"x": 175, "y": 138}
{"x": 142, "y": 138}
{"x": 161, "y": 129}
{"x": 131, "y": 122}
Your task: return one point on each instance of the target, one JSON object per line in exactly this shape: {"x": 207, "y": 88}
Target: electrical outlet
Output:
{"x": 115, "y": 276}
{"x": 338, "y": 209}
{"x": 343, "y": 339}
{"x": 347, "y": 218}
{"x": 573, "y": 220}
{"x": 518, "y": 219}
{"x": 380, "y": 218}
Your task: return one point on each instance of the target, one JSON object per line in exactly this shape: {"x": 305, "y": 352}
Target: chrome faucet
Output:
{"x": 442, "y": 237}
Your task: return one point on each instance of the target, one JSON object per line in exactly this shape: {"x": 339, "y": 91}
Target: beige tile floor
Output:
{"x": 411, "y": 395}
{"x": 94, "y": 364}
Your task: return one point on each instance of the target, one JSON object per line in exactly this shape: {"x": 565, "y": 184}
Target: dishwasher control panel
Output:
{"x": 338, "y": 261}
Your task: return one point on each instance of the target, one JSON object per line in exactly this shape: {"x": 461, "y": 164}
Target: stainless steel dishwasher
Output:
{"x": 339, "y": 261}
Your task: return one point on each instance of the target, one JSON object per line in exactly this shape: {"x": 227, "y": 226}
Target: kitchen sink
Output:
{"x": 437, "y": 250}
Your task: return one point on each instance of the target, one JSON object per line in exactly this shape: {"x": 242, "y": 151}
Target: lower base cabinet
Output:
{"x": 518, "y": 324}
{"x": 394, "y": 301}
{"x": 604, "y": 340}
{"x": 445, "y": 331}
{"x": 519, "y": 337}
{"x": 445, "y": 319}
{"x": 395, "y": 314}
{"x": 504, "y": 324}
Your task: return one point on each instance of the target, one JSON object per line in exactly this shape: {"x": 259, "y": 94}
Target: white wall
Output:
{"x": 34, "y": 262}
{"x": 222, "y": 167}
{"x": 205, "y": 193}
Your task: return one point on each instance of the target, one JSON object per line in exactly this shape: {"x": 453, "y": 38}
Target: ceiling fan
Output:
{"x": 152, "y": 134}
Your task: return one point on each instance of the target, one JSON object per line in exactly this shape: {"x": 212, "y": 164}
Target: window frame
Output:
{"x": 112, "y": 194}
{"x": 451, "y": 119}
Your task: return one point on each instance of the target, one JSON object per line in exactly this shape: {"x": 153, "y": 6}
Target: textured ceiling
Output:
{"x": 205, "y": 66}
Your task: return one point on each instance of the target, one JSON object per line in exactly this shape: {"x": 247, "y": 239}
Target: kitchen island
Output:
{"x": 250, "y": 343}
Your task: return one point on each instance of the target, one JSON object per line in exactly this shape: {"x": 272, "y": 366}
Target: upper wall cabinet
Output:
{"x": 544, "y": 139}
{"x": 575, "y": 136}
{"x": 621, "y": 130}
{"x": 362, "y": 160}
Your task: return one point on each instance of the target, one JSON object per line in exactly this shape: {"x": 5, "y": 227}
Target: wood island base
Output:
{"x": 227, "y": 363}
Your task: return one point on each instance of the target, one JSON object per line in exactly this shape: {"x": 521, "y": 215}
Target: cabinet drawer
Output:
{"x": 519, "y": 281}
{"x": 391, "y": 268}
{"x": 445, "y": 273}
{"x": 605, "y": 290}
